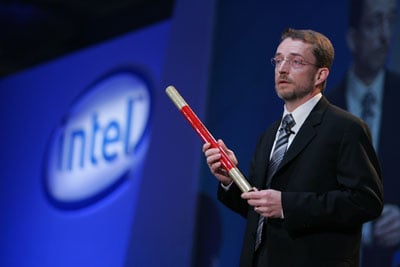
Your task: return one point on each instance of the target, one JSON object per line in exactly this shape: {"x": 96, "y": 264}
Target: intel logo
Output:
{"x": 101, "y": 139}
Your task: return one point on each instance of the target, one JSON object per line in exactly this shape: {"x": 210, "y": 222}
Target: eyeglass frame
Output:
{"x": 292, "y": 60}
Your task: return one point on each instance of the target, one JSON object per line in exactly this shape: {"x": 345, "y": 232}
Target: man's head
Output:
{"x": 370, "y": 29}
{"x": 322, "y": 47}
{"x": 302, "y": 63}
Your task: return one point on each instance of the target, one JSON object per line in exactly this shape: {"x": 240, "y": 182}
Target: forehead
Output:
{"x": 372, "y": 7}
{"x": 291, "y": 46}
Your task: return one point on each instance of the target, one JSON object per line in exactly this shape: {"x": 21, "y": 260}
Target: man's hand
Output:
{"x": 267, "y": 203}
{"x": 213, "y": 157}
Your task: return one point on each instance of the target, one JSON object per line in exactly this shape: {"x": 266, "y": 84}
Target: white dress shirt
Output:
{"x": 300, "y": 114}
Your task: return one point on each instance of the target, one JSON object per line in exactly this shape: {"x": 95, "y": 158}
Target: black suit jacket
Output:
{"x": 331, "y": 184}
{"x": 388, "y": 149}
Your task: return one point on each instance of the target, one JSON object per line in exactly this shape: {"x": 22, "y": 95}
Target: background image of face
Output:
{"x": 373, "y": 36}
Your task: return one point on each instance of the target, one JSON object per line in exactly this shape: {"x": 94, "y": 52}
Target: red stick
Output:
{"x": 206, "y": 136}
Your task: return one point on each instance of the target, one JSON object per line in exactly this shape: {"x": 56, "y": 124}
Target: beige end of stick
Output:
{"x": 175, "y": 97}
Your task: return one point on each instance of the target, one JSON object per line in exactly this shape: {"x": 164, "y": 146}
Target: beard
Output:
{"x": 291, "y": 91}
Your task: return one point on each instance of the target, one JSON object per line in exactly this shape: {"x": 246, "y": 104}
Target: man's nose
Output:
{"x": 284, "y": 66}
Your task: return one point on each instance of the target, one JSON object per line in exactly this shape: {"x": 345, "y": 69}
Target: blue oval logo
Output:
{"x": 102, "y": 137}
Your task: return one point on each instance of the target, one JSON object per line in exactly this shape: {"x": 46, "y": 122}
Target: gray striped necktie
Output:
{"x": 276, "y": 158}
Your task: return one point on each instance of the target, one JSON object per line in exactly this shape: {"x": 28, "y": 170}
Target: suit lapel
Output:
{"x": 306, "y": 133}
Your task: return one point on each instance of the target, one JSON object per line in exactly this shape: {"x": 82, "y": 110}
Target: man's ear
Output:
{"x": 321, "y": 76}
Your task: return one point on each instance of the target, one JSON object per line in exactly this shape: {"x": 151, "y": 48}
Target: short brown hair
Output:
{"x": 323, "y": 49}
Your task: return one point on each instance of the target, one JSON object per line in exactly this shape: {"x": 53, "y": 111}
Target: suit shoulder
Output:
{"x": 393, "y": 76}
{"x": 337, "y": 111}
{"x": 345, "y": 119}
{"x": 392, "y": 84}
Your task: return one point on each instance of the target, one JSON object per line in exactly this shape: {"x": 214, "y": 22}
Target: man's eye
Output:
{"x": 296, "y": 62}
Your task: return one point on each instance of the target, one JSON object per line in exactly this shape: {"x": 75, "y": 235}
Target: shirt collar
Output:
{"x": 301, "y": 113}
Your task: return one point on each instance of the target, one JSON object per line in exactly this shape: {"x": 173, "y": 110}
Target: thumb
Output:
{"x": 222, "y": 144}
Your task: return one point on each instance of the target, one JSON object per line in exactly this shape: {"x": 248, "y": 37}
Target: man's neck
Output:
{"x": 291, "y": 105}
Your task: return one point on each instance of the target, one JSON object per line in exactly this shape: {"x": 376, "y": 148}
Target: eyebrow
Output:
{"x": 291, "y": 54}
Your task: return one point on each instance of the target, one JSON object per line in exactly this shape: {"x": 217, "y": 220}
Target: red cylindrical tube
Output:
{"x": 206, "y": 136}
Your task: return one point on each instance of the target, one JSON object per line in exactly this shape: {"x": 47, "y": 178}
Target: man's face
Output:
{"x": 294, "y": 81}
{"x": 372, "y": 39}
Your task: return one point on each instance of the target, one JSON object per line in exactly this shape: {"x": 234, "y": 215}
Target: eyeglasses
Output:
{"x": 295, "y": 62}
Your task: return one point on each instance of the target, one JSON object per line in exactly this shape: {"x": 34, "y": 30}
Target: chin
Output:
{"x": 287, "y": 96}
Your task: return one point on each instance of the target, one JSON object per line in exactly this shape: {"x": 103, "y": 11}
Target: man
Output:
{"x": 372, "y": 92}
{"x": 309, "y": 204}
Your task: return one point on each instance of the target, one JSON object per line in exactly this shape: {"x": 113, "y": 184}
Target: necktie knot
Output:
{"x": 288, "y": 123}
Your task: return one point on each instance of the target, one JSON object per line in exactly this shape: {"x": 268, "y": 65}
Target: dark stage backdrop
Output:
{"x": 242, "y": 102}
